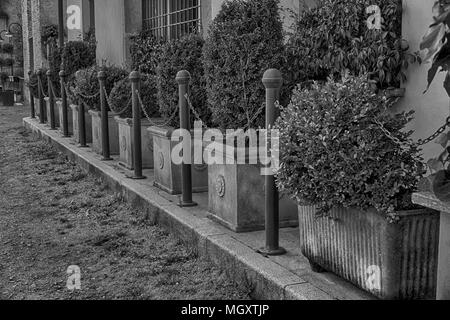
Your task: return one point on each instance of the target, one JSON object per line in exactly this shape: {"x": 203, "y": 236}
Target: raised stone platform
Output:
{"x": 283, "y": 277}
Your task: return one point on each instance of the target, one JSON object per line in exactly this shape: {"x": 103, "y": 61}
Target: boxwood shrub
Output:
{"x": 121, "y": 94}
{"x": 177, "y": 55}
{"x": 85, "y": 84}
{"x": 244, "y": 40}
{"x": 145, "y": 50}
{"x": 336, "y": 149}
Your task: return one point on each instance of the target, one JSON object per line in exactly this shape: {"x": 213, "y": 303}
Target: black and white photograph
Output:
{"x": 225, "y": 158}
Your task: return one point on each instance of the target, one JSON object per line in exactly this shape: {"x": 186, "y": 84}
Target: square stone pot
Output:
{"x": 69, "y": 117}
{"x": 167, "y": 174}
{"x": 390, "y": 260}
{"x": 47, "y": 109}
{"x": 126, "y": 142}
{"x": 87, "y": 120}
{"x": 236, "y": 198}
{"x": 97, "y": 133}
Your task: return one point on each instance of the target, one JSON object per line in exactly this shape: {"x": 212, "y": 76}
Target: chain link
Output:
{"x": 194, "y": 112}
{"x": 152, "y": 123}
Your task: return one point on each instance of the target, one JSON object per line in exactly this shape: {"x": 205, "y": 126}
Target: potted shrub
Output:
{"x": 122, "y": 107}
{"x": 244, "y": 40}
{"x": 86, "y": 88}
{"x": 352, "y": 167}
{"x": 177, "y": 55}
{"x": 78, "y": 55}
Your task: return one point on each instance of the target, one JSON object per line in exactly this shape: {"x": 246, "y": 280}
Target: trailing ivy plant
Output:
{"x": 341, "y": 146}
{"x": 244, "y": 40}
{"x": 436, "y": 42}
{"x": 334, "y": 37}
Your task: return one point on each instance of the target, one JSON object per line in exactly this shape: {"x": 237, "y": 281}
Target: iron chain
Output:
{"x": 152, "y": 123}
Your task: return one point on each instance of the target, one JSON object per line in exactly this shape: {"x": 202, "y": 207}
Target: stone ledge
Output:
{"x": 429, "y": 200}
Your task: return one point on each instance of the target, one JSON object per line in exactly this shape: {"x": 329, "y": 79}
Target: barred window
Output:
{"x": 171, "y": 19}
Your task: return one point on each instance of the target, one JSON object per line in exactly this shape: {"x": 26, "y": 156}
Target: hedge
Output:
{"x": 244, "y": 40}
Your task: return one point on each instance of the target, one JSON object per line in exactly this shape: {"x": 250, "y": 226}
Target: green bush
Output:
{"x": 85, "y": 86}
{"x": 177, "y": 55}
{"x": 244, "y": 40}
{"x": 121, "y": 97}
{"x": 77, "y": 55}
{"x": 334, "y": 37}
{"x": 145, "y": 50}
{"x": 341, "y": 146}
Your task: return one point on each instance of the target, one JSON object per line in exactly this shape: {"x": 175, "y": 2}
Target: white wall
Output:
{"x": 431, "y": 108}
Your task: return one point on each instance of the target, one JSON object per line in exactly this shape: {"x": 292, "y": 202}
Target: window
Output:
{"x": 171, "y": 19}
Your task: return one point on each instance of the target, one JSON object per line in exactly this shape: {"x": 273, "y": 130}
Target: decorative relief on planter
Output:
{"x": 220, "y": 186}
{"x": 161, "y": 160}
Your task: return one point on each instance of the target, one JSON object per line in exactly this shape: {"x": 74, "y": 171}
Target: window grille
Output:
{"x": 171, "y": 19}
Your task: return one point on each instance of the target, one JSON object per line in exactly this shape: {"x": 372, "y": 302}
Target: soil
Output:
{"x": 53, "y": 216}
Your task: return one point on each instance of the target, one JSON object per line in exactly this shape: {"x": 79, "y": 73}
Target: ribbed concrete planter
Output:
{"x": 389, "y": 260}
{"x": 47, "y": 109}
{"x": 69, "y": 117}
{"x": 75, "y": 109}
{"x": 236, "y": 198}
{"x": 126, "y": 142}
{"x": 97, "y": 133}
{"x": 167, "y": 174}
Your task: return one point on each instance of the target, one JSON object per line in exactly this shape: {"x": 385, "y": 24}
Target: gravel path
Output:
{"x": 53, "y": 215}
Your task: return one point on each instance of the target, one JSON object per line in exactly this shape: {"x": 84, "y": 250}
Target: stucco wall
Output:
{"x": 431, "y": 108}
{"x": 110, "y": 31}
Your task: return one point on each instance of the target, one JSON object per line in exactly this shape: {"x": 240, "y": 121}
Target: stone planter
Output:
{"x": 389, "y": 260}
{"x": 69, "y": 117}
{"x": 47, "y": 109}
{"x": 167, "y": 174}
{"x": 97, "y": 133}
{"x": 236, "y": 198}
{"x": 126, "y": 142}
{"x": 87, "y": 120}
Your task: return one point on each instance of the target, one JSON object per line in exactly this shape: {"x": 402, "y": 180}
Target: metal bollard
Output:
{"x": 42, "y": 109}
{"x": 135, "y": 79}
{"x": 51, "y": 99}
{"x": 183, "y": 78}
{"x": 104, "y": 117}
{"x": 81, "y": 125}
{"x": 65, "y": 118}
{"x": 32, "y": 110}
{"x": 272, "y": 81}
